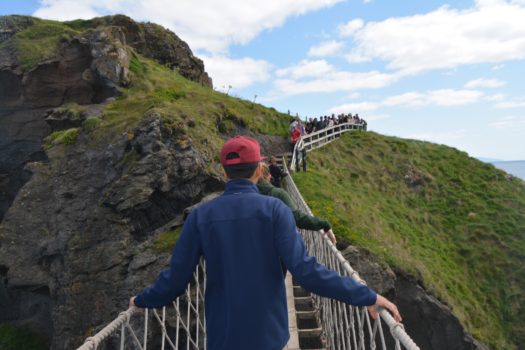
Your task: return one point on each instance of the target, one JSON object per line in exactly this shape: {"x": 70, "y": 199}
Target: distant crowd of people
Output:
{"x": 316, "y": 124}
{"x": 297, "y": 129}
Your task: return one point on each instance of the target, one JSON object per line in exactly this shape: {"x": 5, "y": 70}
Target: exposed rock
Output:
{"x": 89, "y": 256}
{"x": 432, "y": 324}
{"x": 161, "y": 175}
{"x": 87, "y": 69}
{"x": 414, "y": 178}
{"x": 21, "y": 134}
{"x": 378, "y": 277}
{"x": 73, "y": 223}
{"x": 161, "y": 44}
{"x": 64, "y": 118}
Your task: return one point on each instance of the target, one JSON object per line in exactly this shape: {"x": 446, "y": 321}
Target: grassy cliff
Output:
{"x": 201, "y": 113}
{"x": 455, "y": 223}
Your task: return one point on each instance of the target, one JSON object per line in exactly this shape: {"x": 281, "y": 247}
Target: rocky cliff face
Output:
{"x": 78, "y": 222}
{"x": 86, "y": 69}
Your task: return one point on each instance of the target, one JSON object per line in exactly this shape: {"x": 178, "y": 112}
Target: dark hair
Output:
{"x": 240, "y": 171}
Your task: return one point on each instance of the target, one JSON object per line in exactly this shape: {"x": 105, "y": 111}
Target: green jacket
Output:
{"x": 302, "y": 220}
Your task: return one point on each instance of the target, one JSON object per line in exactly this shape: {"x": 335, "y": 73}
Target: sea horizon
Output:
{"x": 512, "y": 167}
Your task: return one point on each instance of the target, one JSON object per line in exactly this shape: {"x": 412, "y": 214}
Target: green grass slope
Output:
{"x": 455, "y": 223}
{"x": 187, "y": 107}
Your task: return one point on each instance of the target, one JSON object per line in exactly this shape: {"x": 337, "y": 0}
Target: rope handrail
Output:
{"x": 320, "y": 138}
{"x": 91, "y": 343}
{"x": 158, "y": 329}
{"x": 327, "y": 253}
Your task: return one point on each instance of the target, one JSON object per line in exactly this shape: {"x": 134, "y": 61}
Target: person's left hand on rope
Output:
{"x": 331, "y": 236}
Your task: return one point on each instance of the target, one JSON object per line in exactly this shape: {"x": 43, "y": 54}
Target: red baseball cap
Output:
{"x": 241, "y": 150}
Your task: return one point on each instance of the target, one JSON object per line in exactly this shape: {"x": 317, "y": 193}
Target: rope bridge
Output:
{"x": 182, "y": 325}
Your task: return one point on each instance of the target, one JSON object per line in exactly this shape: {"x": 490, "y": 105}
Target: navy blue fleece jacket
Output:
{"x": 243, "y": 236}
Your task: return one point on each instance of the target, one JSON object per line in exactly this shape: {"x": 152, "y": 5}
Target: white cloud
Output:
{"x": 348, "y": 29}
{"x": 333, "y": 82}
{"x": 443, "y": 97}
{"x": 484, "y": 83}
{"x": 495, "y": 97}
{"x": 326, "y": 48}
{"x": 239, "y": 73}
{"x": 511, "y": 104}
{"x": 490, "y": 32}
{"x": 306, "y": 69}
{"x": 354, "y": 107}
{"x": 498, "y": 67}
{"x": 509, "y": 122}
{"x": 209, "y": 25}
{"x": 320, "y": 76}
{"x": 353, "y": 95}
{"x": 376, "y": 117}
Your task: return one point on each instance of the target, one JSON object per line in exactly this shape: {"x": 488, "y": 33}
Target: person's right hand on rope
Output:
{"x": 385, "y": 304}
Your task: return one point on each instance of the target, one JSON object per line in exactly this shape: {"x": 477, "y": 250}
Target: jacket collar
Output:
{"x": 240, "y": 186}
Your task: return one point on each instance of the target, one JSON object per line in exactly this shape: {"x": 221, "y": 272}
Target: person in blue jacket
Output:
{"x": 244, "y": 236}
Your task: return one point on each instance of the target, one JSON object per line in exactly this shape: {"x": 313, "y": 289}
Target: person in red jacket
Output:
{"x": 295, "y": 135}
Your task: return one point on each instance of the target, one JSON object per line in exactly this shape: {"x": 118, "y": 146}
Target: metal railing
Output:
{"x": 344, "y": 326}
{"x": 318, "y": 139}
{"x": 179, "y": 326}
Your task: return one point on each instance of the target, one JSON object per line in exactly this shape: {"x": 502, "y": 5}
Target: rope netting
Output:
{"x": 181, "y": 325}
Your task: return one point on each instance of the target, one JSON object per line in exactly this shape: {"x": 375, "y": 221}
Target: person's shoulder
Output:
{"x": 205, "y": 202}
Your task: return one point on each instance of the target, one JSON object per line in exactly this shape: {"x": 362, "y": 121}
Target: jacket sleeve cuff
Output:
{"x": 139, "y": 302}
{"x": 373, "y": 298}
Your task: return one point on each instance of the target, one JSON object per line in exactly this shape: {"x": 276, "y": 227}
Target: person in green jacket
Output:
{"x": 302, "y": 220}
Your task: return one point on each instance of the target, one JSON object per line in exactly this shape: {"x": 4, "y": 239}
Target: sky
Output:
{"x": 446, "y": 72}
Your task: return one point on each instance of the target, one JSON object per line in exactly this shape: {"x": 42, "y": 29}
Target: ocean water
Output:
{"x": 515, "y": 167}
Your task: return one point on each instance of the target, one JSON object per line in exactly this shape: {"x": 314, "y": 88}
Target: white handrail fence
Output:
{"x": 318, "y": 139}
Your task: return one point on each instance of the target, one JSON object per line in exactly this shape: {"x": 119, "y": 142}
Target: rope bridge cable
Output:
{"x": 344, "y": 326}
{"x": 182, "y": 325}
